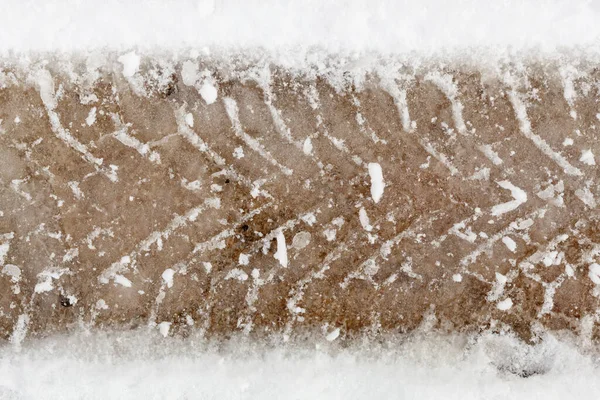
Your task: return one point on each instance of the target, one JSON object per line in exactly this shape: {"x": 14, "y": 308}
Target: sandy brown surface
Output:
{"x": 111, "y": 185}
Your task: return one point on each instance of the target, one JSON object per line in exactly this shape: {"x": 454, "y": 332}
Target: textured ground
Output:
{"x": 135, "y": 195}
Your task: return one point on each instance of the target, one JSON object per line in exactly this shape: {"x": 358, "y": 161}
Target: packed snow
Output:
{"x": 377, "y": 183}
{"x": 353, "y": 25}
{"x": 155, "y": 365}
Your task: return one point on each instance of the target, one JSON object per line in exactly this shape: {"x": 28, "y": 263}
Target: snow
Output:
{"x": 167, "y": 277}
{"x": 45, "y": 286}
{"x": 238, "y": 274}
{"x": 334, "y": 334}
{"x": 377, "y": 184}
{"x": 189, "y": 120}
{"x": 131, "y": 63}
{"x": 281, "y": 253}
{"x": 244, "y": 259}
{"x": 594, "y": 273}
{"x": 13, "y": 271}
{"x": 208, "y": 92}
{"x": 361, "y": 25}
{"x": 164, "y": 328}
{"x": 519, "y": 195}
{"x": 121, "y": 280}
{"x": 101, "y": 305}
{"x": 587, "y": 157}
{"x": 91, "y": 118}
{"x": 135, "y": 365}
{"x": 238, "y": 152}
{"x": 307, "y": 146}
{"x": 505, "y": 304}
{"x": 364, "y": 220}
{"x": 309, "y": 218}
{"x": 510, "y": 244}
{"x": 4, "y": 247}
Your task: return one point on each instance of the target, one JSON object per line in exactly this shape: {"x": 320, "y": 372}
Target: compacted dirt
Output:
{"x": 207, "y": 195}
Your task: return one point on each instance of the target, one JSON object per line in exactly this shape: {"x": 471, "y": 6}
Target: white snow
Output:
{"x": 594, "y": 273}
{"x": 238, "y": 274}
{"x": 309, "y": 218}
{"x": 44, "y": 286}
{"x": 457, "y": 278}
{"x": 377, "y": 184}
{"x": 364, "y": 220}
{"x": 101, "y": 305}
{"x": 91, "y": 118}
{"x": 587, "y": 157}
{"x": 208, "y": 92}
{"x": 4, "y": 247}
{"x": 238, "y": 152}
{"x": 164, "y": 328}
{"x": 517, "y": 193}
{"x": 189, "y": 73}
{"x": 167, "y": 277}
{"x": 307, "y": 147}
{"x": 134, "y": 365}
{"x": 189, "y": 120}
{"x": 281, "y": 253}
{"x": 131, "y": 63}
{"x": 489, "y": 152}
{"x": 244, "y": 259}
{"x": 13, "y": 271}
{"x": 121, "y": 280}
{"x": 505, "y": 304}
{"x": 334, "y": 334}
{"x": 76, "y": 190}
{"x": 510, "y": 244}
{"x": 378, "y": 25}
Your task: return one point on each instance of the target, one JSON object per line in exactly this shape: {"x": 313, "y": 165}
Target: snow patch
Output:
{"x": 377, "y": 183}
{"x": 594, "y": 273}
{"x": 510, "y": 244}
{"x": 167, "y": 277}
{"x": 208, "y": 92}
{"x": 505, "y": 304}
{"x": 189, "y": 120}
{"x": 334, "y": 334}
{"x": 519, "y": 195}
{"x": 244, "y": 259}
{"x": 131, "y": 63}
{"x": 281, "y": 253}
{"x": 91, "y": 118}
{"x": 121, "y": 280}
{"x": 587, "y": 157}
{"x": 238, "y": 274}
{"x": 164, "y": 328}
{"x": 364, "y": 220}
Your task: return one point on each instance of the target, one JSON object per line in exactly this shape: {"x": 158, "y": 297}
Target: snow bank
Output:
{"x": 350, "y": 25}
{"x": 138, "y": 365}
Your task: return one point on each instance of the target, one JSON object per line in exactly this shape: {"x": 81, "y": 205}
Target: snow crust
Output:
{"x": 346, "y": 26}
{"x": 377, "y": 183}
{"x": 146, "y": 365}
